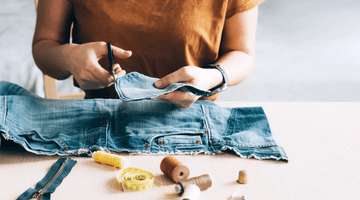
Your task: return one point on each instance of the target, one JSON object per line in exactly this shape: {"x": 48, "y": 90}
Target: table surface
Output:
{"x": 321, "y": 140}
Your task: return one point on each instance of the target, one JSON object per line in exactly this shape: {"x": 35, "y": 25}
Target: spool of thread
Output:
{"x": 234, "y": 196}
{"x": 242, "y": 179}
{"x": 174, "y": 169}
{"x": 192, "y": 192}
{"x": 203, "y": 182}
{"x": 110, "y": 159}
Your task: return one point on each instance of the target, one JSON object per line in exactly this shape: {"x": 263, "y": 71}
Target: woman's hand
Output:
{"x": 57, "y": 58}
{"x": 85, "y": 68}
{"x": 201, "y": 78}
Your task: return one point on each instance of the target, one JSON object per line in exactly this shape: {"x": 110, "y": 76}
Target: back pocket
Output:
{"x": 174, "y": 143}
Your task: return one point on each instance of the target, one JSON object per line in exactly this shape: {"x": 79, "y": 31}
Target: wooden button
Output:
{"x": 160, "y": 142}
{"x": 147, "y": 146}
{"x": 205, "y": 132}
{"x": 197, "y": 141}
{"x": 66, "y": 148}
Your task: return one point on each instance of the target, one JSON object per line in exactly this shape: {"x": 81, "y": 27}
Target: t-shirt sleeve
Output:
{"x": 237, "y": 6}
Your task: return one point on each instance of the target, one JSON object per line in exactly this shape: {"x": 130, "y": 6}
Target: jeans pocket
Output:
{"x": 63, "y": 140}
{"x": 178, "y": 142}
{"x": 34, "y": 141}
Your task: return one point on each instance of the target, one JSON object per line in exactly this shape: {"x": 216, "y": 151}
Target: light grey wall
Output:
{"x": 307, "y": 50}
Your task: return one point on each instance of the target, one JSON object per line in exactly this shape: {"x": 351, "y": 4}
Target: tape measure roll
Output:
{"x": 135, "y": 179}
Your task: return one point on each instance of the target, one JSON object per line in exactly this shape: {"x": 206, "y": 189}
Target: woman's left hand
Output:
{"x": 201, "y": 78}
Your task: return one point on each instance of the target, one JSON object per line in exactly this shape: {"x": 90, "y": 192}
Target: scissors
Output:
{"x": 111, "y": 59}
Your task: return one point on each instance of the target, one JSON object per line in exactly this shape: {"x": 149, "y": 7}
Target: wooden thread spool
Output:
{"x": 174, "y": 169}
{"x": 203, "y": 182}
{"x": 242, "y": 179}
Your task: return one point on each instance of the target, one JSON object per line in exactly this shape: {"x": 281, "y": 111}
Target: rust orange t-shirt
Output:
{"x": 163, "y": 35}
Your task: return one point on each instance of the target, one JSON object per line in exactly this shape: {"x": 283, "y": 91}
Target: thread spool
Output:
{"x": 242, "y": 179}
{"x": 110, "y": 159}
{"x": 203, "y": 182}
{"x": 192, "y": 192}
{"x": 174, "y": 169}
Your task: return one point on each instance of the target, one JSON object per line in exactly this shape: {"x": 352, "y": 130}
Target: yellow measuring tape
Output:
{"x": 135, "y": 179}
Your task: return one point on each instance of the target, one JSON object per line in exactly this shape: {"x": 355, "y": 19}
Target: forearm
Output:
{"x": 237, "y": 49}
{"x": 237, "y": 66}
{"x": 51, "y": 36}
{"x": 51, "y": 58}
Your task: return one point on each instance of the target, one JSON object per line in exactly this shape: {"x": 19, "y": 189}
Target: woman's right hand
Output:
{"x": 83, "y": 64}
{"x": 57, "y": 58}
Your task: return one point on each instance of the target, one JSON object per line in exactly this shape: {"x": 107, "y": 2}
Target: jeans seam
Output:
{"x": 207, "y": 127}
{"x": 108, "y": 124}
{"x": 233, "y": 114}
{"x": 5, "y": 111}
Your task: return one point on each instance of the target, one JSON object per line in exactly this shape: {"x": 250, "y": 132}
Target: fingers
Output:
{"x": 106, "y": 78}
{"x": 118, "y": 71}
{"x": 101, "y": 50}
{"x": 121, "y": 53}
{"x": 168, "y": 80}
{"x": 93, "y": 75}
{"x": 96, "y": 79}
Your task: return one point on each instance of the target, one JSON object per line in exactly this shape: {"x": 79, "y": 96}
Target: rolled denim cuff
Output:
{"x": 135, "y": 86}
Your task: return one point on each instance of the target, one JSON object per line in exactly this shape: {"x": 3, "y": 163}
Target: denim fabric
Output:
{"x": 148, "y": 127}
{"x": 136, "y": 86}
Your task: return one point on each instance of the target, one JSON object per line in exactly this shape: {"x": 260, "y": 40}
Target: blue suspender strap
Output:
{"x": 51, "y": 181}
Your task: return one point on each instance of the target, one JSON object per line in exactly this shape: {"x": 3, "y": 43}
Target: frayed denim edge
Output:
{"x": 281, "y": 158}
{"x": 89, "y": 151}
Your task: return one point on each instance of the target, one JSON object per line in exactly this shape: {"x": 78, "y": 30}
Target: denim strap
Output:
{"x": 135, "y": 86}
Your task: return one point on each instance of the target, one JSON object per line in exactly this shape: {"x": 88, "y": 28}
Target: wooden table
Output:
{"x": 322, "y": 141}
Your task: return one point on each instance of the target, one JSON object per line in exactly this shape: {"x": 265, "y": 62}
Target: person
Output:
{"x": 170, "y": 40}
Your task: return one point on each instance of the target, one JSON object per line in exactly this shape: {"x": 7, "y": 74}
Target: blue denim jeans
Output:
{"x": 144, "y": 126}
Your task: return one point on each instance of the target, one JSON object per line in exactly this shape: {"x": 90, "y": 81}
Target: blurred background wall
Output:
{"x": 306, "y": 50}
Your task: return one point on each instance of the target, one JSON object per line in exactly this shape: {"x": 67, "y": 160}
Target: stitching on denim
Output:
{"x": 246, "y": 146}
{"x": 164, "y": 135}
{"x": 177, "y": 152}
{"x": 5, "y": 110}
{"x": 118, "y": 89}
{"x": 108, "y": 123}
{"x": 207, "y": 127}
{"x": 233, "y": 114}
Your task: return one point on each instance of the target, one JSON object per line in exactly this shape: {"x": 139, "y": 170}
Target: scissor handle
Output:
{"x": 111, "y": 58}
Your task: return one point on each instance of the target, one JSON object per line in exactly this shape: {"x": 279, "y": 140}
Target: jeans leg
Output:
{"x": 7, "y": 88}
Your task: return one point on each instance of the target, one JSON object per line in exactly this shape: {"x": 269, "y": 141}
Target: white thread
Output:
{"x": 192, "y": 192}
{"x": 234, "y": 196}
